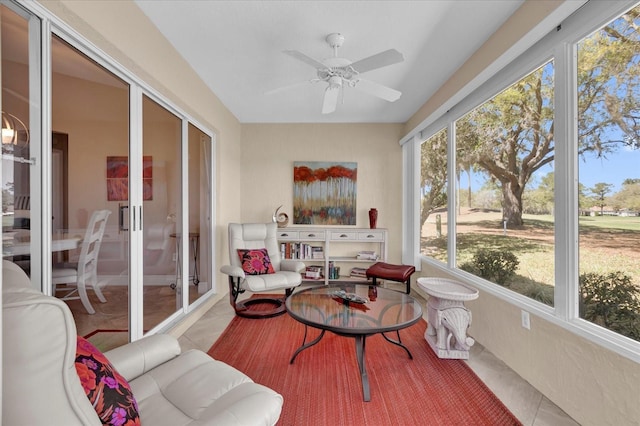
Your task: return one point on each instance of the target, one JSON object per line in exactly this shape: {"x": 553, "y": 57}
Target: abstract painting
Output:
{"x": 118, "y": 178}
{"x": 324, "y": 193}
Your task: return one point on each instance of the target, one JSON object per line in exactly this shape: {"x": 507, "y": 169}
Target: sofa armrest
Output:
{"x": 233, "y": 271}
{"x": 136, "y": 358}
{"x": 292, "y": 265}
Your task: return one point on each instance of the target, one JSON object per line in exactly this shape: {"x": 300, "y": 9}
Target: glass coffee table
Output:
{"x": 353, "y": 310}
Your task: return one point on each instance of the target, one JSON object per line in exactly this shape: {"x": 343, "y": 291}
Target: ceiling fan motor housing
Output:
{"x": 335, "y": 40}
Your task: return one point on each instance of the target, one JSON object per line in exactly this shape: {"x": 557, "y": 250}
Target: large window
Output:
{"x": 504, "y": 217}
{"x": 544, "y": 209}
{"x": 609, "y": 175}
{"x": 433, "y": 196}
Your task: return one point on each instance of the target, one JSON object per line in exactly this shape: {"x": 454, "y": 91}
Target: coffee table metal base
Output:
{"x": 360, "y": 340}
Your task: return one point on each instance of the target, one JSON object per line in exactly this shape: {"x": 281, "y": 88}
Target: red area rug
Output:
{"x": 323, "y": 385}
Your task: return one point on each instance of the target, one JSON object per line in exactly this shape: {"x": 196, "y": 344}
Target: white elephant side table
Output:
{"x": 448, "y": 319}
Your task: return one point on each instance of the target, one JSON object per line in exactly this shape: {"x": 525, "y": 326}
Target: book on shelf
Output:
{"x": 334, "y": 271}
{"x": 300, "y": 251}
{"x": 358, "y": 273}
{"x": 367, "y": 255}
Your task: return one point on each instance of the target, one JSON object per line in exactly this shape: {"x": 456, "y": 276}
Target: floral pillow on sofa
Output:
{"x": 107, "y": 390}
{"x": 256, "y": 261}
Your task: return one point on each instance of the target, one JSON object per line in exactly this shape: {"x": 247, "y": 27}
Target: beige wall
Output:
{"x": 269, "y": 150}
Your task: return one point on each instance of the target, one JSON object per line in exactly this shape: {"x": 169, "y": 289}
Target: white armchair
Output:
{"x": 284, "y": 275}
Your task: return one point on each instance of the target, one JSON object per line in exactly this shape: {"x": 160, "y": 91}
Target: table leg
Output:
{"x": 360, "y": 346}
{"x": 306, "y": 345}
{"x": 398, "y": 343}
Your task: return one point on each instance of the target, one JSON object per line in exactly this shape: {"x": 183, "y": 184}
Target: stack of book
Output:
{"x": 358, "y": 273}
{"x": 313, "y": 272}
{"x": 367, "y": 255}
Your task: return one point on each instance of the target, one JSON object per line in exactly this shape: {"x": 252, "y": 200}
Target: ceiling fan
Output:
{"x": 339, "y": 73}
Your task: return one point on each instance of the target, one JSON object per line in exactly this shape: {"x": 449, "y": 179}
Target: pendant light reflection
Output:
{"x": 12, "y": 126}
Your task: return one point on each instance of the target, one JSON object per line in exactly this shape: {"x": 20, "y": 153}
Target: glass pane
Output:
{"x": 162, "y": 203}
{"x": 433, "y": 196}
{"x": 90, "y": 119}
{"x": 17, "y": 166}
{"x": 504, "y": 221}
{"x": 199, "y": 212}
{"x": 609, "y": 176}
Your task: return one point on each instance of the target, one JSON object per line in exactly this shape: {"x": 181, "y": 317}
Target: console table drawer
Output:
{"x": 288, "y": 235}
{"x": 376, "y": 236}
{"x": 344, "y": 236}
{"x": 311, "y": 235}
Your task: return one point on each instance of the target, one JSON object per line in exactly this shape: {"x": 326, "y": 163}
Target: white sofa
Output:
{"x": 40, "y": 385}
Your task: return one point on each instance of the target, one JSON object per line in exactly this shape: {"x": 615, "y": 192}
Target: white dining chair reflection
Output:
{"x": 77, "y": 277}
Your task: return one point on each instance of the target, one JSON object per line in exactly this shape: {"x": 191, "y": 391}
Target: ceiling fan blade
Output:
{"x": 375, "y": 89}
{"x": 306, "y": 59}
{"x": 330, "y": 99}
{"x": 288, "y": 87}
{"x": 382, "y": 59}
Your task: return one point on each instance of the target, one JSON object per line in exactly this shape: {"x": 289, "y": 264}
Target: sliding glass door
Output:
{"x": 162, "y": 203}
{"x": 89, "y": 178}
{"x": 199, "y": 160}
{"x": 109, "y": 204}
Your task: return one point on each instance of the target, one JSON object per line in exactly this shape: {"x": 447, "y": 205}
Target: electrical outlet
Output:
{"x": 175, "y": 257}
{"x": 526, "y": 322}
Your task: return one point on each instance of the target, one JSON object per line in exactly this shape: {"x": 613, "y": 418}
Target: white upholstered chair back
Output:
{"x": 254, "y": 236}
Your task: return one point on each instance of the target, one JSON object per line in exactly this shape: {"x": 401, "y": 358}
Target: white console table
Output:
{"x": 339, "y": 245}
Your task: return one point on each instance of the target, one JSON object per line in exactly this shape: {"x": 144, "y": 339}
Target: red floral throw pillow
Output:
{"x": 107, "y": 390}
{"x": 255, "y": 262}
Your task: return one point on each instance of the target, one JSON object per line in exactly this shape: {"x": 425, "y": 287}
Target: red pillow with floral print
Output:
{"x": 107, "y": 390}
{"x": 255, "y": 262}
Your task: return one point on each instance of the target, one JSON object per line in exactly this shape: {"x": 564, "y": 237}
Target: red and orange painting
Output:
{"x": 118, "y": 178}
{"x": 324, "y": 193}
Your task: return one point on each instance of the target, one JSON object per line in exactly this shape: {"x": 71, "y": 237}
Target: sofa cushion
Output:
{"x": 107, "y": 390}
{"x": 255, "y": 261}
{"x": 193, "y": 388}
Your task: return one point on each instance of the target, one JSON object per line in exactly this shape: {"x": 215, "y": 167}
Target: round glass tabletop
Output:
{"x": 354, "y": 309}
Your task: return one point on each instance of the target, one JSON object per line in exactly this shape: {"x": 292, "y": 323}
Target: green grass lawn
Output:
{"x": 607, "y": 244}
{"x": 611, "y": 222}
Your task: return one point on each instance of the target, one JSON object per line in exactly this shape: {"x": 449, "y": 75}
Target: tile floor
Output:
{"x": 524, "y": 401}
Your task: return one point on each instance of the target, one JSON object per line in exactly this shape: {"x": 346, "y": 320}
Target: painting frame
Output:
{"x": 325, "y": 193}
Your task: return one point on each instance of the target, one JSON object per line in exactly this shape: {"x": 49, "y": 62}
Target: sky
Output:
{"x": 617, "y": 167}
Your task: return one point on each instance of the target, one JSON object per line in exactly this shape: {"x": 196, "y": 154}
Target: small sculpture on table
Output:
{"x": 280, "y": 218}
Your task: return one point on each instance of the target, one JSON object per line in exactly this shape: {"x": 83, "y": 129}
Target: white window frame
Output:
{"x": 558, "y": 45}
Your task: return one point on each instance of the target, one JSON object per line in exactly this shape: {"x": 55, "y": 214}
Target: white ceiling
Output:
{"x": 236, "y": 48}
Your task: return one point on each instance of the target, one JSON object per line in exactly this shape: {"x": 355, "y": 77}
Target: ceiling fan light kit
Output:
{"x": 340, "y": 72}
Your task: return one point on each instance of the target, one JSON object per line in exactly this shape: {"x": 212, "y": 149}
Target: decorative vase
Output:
{"x": 373, "y": 218}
